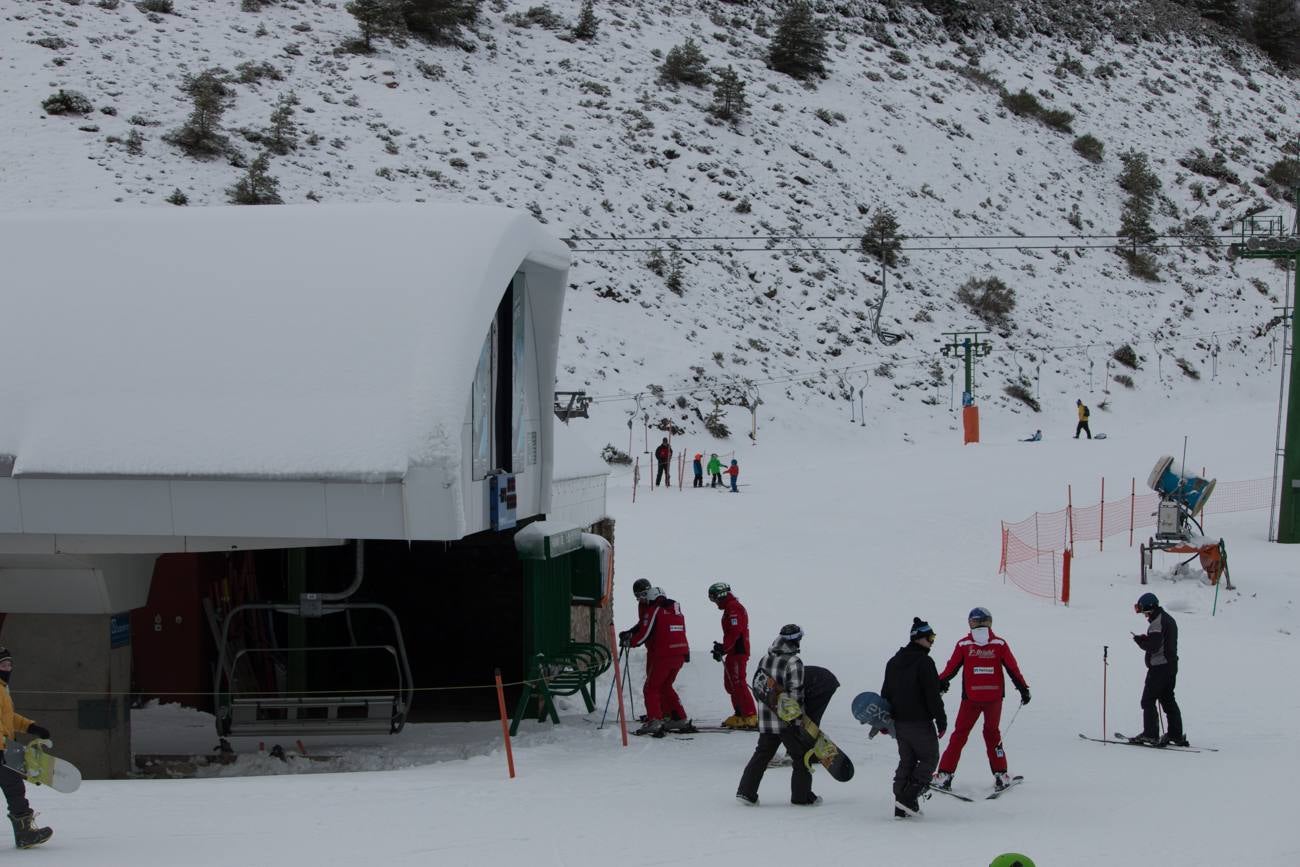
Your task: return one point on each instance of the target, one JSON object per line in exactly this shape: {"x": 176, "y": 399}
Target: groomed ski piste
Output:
{"x": 848, "y": 533}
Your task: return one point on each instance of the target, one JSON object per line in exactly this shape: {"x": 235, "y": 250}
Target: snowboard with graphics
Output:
{"x": 817, "y": 746}
{"x": 38, "y": 766}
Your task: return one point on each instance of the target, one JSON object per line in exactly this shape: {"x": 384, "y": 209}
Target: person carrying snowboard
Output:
{"x": 733, "y": 652}
{"x": 981, "y": 657}
{"x": 715, "y": 470}
{"x": 912, "y": 689}
{"x": 734, "y": 472}
{"x": 783, "y": 665}
{"x": 1084, "y": 414}
{"x": 662, "y": 629}
{"x": 663, "y": 455}
{"x": 697, "y": 466}
{"x": 21, "y": 815}
{"x": 1160, "y": 644}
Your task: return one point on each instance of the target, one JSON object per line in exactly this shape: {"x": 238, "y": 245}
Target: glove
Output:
{"x": 688, "y": 656}
{"x": 38, "y": 731}
{"x": 943, "y": 686}
{"x": 718, "y": 651}
{"x": 625, "y": 638}
{"x": 1024, "y": 695}
{"x": 942, "y": 730}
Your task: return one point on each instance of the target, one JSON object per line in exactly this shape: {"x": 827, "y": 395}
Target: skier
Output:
{"x": 662, "y": 629}
{"x": 715, "y": 470}
{"x": 733, "y": 652}
{"x": 912, "y": 689}
{"x": 982, "y": 657}
{"x": 1161, "y": 646}
{"x": 734, "y": 472}
{"x": 26, "y": 833}
{"x": 663, "y": 454}
{"x": 698, "y": 466}
{"x": 1035, "y": 437}
{"x": 1082, "y": 426}
{"x": 782, "y": 664}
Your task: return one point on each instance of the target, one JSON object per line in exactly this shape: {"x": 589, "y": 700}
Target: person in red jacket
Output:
{"x": 662, "y": 629}
{"x": 663, "y": 456}
{"x": 734, "y": 472}
{"x": 733, "y": 652}
{"x": 982, "y": 657}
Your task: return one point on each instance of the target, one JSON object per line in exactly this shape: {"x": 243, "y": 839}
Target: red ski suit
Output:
{"x": 662, "y": 629}
{"x": 735, "y": 643}
{"x": 982, "y": 689}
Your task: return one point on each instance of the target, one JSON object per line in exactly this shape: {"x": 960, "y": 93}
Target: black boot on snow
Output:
{"x": 26, "y": 834}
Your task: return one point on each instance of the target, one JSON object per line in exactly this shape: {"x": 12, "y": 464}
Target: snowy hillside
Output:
{"x": 584, "y": 135}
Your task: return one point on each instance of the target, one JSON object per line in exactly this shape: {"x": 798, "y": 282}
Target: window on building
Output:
{"x": 498, "y": 398}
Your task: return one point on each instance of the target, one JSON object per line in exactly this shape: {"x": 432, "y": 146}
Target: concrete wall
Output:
{"x": 70, "y": 678}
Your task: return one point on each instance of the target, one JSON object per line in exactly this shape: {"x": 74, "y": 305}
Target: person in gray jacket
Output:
{"x": 1160, "y": 644}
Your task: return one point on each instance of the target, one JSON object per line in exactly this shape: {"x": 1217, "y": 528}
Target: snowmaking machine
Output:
{"x": 1183, "y": 496}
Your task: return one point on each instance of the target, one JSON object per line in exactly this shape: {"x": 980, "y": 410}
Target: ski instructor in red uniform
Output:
{"x": 981, "y": 656}
{"x": 733, "y": 652}
{"x": 662, "y": 629}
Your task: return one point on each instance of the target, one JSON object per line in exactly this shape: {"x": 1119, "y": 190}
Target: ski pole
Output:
{"x": 622, "y": 653}
{"x": 1013, "y": 719}
{"x": 627, "y": 674}
{"x": 1105, "y": 669}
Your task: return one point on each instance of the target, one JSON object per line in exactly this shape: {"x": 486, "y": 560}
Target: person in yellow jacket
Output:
{"x": 1082, "y": 426}
{"x": 26, "y": 834}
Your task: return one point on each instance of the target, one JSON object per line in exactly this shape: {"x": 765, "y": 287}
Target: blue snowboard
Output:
{"x": 870, "y": 709}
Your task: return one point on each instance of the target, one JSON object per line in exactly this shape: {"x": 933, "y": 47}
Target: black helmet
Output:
{"x": 1146, "y": 602}
{"x": 718, "y": 589}
{"x": 792, "y": 633}
{"x": 640, "y": 586}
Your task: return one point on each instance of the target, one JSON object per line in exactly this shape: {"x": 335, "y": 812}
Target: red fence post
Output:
{"x": 1101, "y": 533}
{"x": 505, "y": 727}
{"x": 1065, "y": 577}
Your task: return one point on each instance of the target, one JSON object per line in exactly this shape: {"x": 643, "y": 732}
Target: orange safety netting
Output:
{"x": 1032, "y": 549}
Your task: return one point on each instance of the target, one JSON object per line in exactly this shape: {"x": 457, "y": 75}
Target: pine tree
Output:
{"x": 1276, "y": 28}
{"x": 798, "y": 47}
{"x": 378, "y": 19}
{"x": 211, "y": 96}
{"x": 439, "y": 20}
{"x": 282, "y": 135}
{"x": 685, "y": 64}
{"x": 257, "y": 187}
{"x": 729, "y": 102}
{"x": 1225, "y": 13}
{"x": 586, "y": 27}
{"x": 881, "y": 238}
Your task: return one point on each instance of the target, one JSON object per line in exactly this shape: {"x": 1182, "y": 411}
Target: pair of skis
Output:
{"x": 1128, "y": 741}
{"x": 996, "y": 793}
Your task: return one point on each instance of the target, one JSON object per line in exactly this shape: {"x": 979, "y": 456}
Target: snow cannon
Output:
{"x": 1172, "y": 482}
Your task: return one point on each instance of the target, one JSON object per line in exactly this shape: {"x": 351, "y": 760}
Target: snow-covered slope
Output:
{"x": 584, "y": 136}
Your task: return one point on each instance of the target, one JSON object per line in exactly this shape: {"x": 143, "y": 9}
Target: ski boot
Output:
{"x": 1001, "y": 780}
{"x": 1145, "y": 740}
{"x": 735, "y": 721}
{"x": 1172, "y": 741}
{"x": 680, "y": 726}
{"x": 26, "y": 834}
{"x": 942, "y": 780}
{"x": 652, "y": 727}
{"x": 749, "y": 723}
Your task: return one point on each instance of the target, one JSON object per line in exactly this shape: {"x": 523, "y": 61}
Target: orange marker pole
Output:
{"x": 505, "y": 726}
{"x": 618, "y": 679}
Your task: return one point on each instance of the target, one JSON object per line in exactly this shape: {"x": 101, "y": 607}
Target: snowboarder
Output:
{"x": 734, "y": 472}
{"x": 982, "y": 657}
{"x": 662, "y": 629}
{"x": 698, "y": 466}
{"x": 1036, "y": 436}
{"x": 733, "y": 652}
{"x": 782, "y": 664}
{"x": 26, "y": 833}
{"x": 1082, "y": 426}
{"x": 663, "y": 454}
{"x": 912, "y": 689}
{"x": 1161, "y": 646}
{"x": 715, "y": 470}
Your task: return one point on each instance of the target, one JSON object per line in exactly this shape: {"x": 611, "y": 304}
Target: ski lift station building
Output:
{"x": 270, "y": 452}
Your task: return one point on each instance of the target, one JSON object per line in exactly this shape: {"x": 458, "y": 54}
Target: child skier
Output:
{"x": 982, "y": 657}
{"x": 733, "y": 652}
{"x": 912, "y": 689}
{"x": 26, "y": 834}
{"x": 698, "y": 466}
{"x": 734, "y": 472}
{"x": 662, "y": 629}
{"x": 782, "y": 664}
{"x": 715, "y": 470}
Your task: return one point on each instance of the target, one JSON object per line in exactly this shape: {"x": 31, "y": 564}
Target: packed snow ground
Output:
{"x": 849, "y": 536}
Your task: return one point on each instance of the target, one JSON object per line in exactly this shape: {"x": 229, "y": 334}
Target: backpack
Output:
{"x": 1086, "y": 413}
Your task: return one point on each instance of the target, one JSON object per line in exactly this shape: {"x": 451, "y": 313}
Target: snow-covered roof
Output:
{"x": 300, "y": 341}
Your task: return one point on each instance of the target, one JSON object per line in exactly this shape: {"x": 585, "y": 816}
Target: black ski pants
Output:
{"x": 1082, "y": 427}
{"x": 661, "y": 477}
{"x": 1159, "y": 688}
{"x": 918, "y": 756}
{"x": 15, "y": 790}
{"x": 800, "y": 777}
{"x": 715, "y": 479}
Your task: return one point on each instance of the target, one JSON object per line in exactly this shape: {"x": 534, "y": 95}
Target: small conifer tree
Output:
{"x": 585, "y": 28}
{"x": 1276, "y": 28}
{"x": 439, "y": 20}
{"x": 257, "y": 186}
{"x": 798, "y": 47}
{"x": 881, "y": 238}
{"x": 378, "y": 19}
{"x": 282, "y": 135}
{"x": 685, "y": 64}
{"x": 729, "y": 102}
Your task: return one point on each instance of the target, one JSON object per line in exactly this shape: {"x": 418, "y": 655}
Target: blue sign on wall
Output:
{"x": 119, "y": 630}
{"x": 503, "y": 500}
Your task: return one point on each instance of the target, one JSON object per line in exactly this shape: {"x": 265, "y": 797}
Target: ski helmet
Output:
{"x": 921, "y": 629}
{"x": 640, "y": 586}
{"x": 792, "y": 633}
{"x": 718, "y": 589}
{"x": 980, "y": 617}
{"x": 652, "y": 594}
{"x": 1012, "y": 859}
{"x": 1146, "y": 602}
